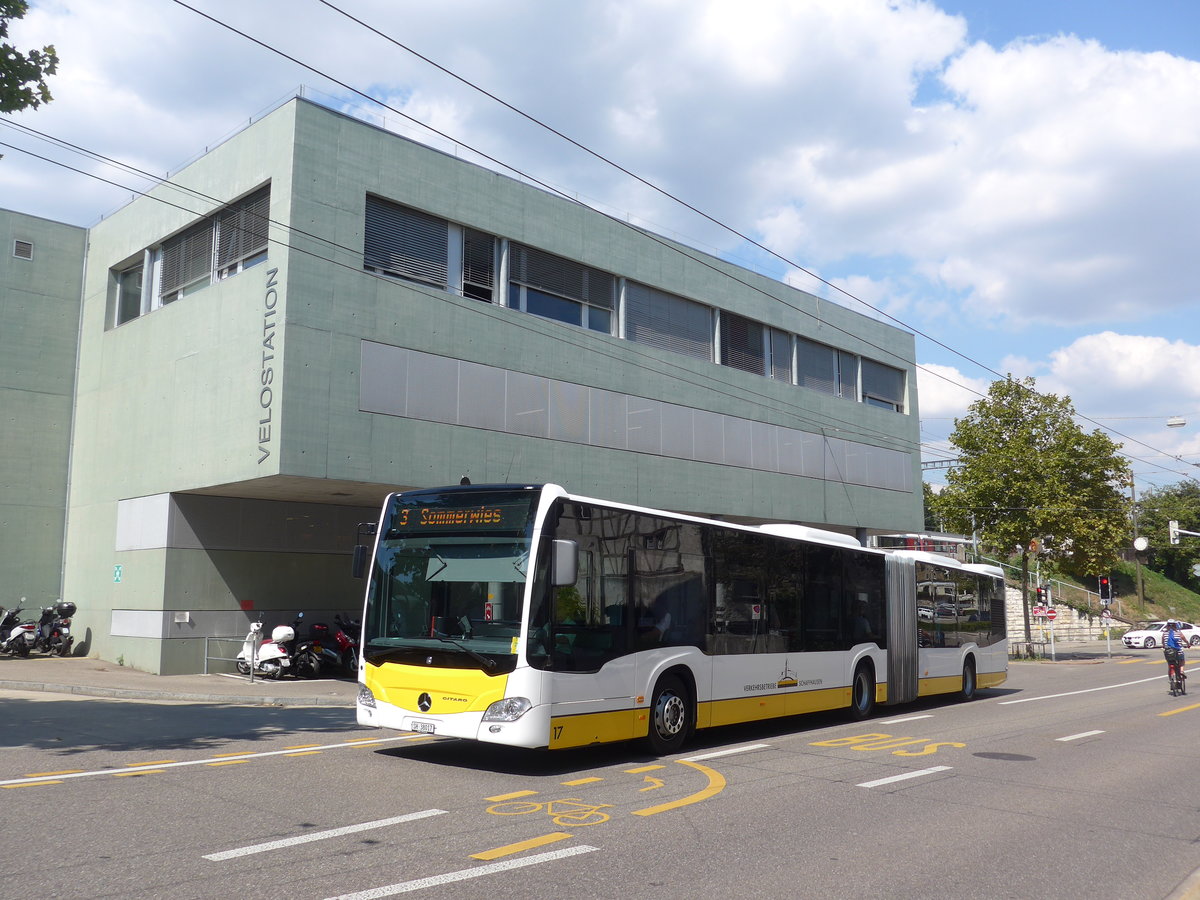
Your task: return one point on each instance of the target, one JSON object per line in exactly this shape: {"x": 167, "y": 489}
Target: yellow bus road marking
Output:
{"x": 1126, "y": 662}
{"x": 228, "y": 762}
{"x": 301, "y": 746}
{"x": 507, "y": 865}
{"x": 579, "y": 781}
{"x": 227, "y": 755}
{"x": 522, "y": 846}
{"x": 321, "y": 835}
{"x": 305, "y": 753}
{"x": 514, "y": 795}
{"x": 1172, "y": 712}
{"x": 157, "y": 762}
{"x": 641, "y": 769}
{"x": 716, "y": 784}
{"x": 138, "y": 772}
{"x": 51, "y": 774}
{"x": 139, "y": 768}
{"x": 30, "y": 784}
{"x": 654, "y": 783}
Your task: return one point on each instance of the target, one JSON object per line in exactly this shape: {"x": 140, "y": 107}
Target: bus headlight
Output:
{"x": 507, "y": 710}
{"x": 365, "y": 697}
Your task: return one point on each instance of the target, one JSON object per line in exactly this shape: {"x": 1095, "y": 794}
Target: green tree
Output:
{"x": 22, "y": 75}
{"x": 1031, "y": 481}
{"x": 931, "y": 519}
{"x": 1155, "y": 509}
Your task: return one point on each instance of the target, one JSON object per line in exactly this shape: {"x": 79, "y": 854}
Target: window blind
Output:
{"x": 564, "y": 277}
{"x": 405, "y": 242}
{"x": 742, "y": 344}
{"x": 668, "y": 322}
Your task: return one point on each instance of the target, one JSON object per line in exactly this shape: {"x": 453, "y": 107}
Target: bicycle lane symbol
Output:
{"x": 567, "y": 812}
{"x": 578, "y": 812}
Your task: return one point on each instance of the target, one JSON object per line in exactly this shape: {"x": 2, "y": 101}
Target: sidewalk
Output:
{"x": 1081, "y": 651}
{"x": 96, "y": 678}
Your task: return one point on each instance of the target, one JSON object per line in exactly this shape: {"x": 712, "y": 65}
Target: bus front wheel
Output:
{"x": 862, "y": 692}
{"x": 670, "y": 716}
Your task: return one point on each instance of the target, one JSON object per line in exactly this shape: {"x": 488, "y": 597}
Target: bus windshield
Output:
{"x": 448, "y": 579}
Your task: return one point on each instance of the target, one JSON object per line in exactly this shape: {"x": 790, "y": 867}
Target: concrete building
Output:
{"x": 318, "y": 311}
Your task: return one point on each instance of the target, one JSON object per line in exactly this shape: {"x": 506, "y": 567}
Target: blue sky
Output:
{"x": 1015, "y": 180}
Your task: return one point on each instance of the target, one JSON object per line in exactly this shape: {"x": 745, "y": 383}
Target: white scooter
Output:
{"x": 268, "y": 658}
{"x": 16, "y": 637}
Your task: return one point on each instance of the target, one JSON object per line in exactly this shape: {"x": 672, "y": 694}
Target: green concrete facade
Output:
{"x": 41, "y": 271}
{"x": 227, "y": 444}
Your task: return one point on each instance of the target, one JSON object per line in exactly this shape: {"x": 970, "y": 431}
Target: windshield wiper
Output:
{"x": 478, "y": 657}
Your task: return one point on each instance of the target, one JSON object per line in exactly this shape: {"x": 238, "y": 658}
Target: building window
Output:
{"x": 220, "y": 245}
{"x": 826, "y": 369}
{"x": 241, "y": 233}
{"x": 882, "y": 385}
{"x": 561, "y": 289}
{"x": 479, "y": 265}
{"x": 781, "y": 355}
{"x": 742, "y": 344}
{"x": 129, "y": 293}
{"x": 23, "y": 249}
{"x": 187, "y": 262}
{"x": 668, "y": 322}
{"x": 405, "y": 243}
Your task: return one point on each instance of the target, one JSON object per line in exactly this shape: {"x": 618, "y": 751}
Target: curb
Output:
{"x": 136, "y": 694}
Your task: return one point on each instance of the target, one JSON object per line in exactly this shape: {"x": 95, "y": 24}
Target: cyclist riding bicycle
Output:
{"x": 1173, "y": 644}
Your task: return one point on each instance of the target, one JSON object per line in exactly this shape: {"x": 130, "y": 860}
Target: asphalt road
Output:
{"x": 1073, "y": 780}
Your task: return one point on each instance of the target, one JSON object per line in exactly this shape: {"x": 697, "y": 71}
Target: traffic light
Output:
{"x": 1043, "y": 595}
{"x": 1105, "y": 588}
{"x": 1173, "y": 529}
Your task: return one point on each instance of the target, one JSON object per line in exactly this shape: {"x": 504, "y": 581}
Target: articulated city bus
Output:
{"x": 524, "y": 615}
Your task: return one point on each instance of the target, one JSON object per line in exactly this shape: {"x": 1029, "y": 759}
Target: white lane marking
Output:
{"x": 906, "y": 719}
{"x": 905, "y": 776}
{"x": 214, "y": 759}
{"x": 404, "y": 887}
{"x": 1107, "y": 687}
{"x": 1082, "y": 734}
{"x": 717, "y": 753}
{"x": 321, "y": 835}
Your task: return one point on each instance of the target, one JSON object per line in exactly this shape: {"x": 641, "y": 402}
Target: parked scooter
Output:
{"x": 16, "y": 637}
{"x": 267, "y": 658}
{"x": 53, "y": 633}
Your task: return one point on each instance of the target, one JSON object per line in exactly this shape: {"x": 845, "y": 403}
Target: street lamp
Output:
{"x": 1176, "y": 422}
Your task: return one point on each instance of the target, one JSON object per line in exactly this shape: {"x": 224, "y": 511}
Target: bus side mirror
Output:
{"x": 359, "y": 566}
{"x": 564, "y": 563}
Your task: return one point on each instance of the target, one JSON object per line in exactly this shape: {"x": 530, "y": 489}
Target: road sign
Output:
{"x": 1106, "y": 615}
{"x": 1196, "y": 570}
{"x": 1051, "y": 614}
{"x": 1039, "y": 611}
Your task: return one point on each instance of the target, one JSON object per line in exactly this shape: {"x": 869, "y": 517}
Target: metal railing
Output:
{"x": 209, "y": 657}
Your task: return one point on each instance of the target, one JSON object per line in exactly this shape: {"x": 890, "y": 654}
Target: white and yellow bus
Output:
{"x": 524, "y": 615}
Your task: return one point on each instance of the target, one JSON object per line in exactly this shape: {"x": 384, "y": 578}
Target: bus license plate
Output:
{"x": 423, "y": 727}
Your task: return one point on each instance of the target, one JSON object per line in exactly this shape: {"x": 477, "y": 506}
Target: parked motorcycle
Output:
{"x": 347, "y": 637}
{"x": 16, "y": 637}
{"x": 53, "y": 634}
{"x": 306, "y": 655}
{"x": 337, "y": 649}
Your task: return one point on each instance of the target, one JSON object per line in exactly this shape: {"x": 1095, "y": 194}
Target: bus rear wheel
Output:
{"x": 670, "y": 716}
{"x": 968, "y": 681}
{"x": 862, "y": 692}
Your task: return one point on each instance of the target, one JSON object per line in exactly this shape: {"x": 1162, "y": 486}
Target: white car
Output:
{"x": 1151, "y": 636}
